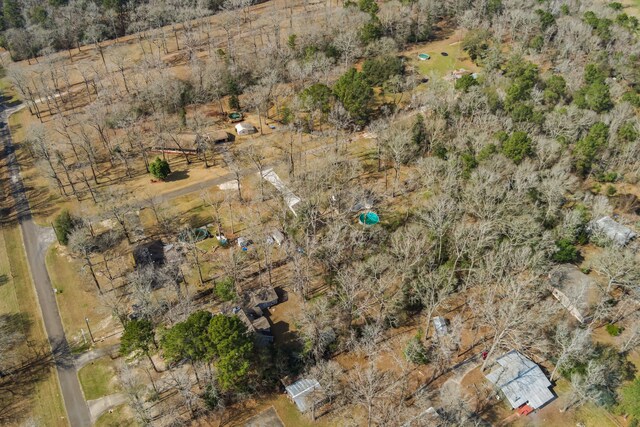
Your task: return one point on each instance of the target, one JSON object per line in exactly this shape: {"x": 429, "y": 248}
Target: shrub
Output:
{"x": 469, "y": 162}
{"x": 234, "y": 102}
{"x": 537, "y": 43}
{"x": 440, "y": 151}
{"x": 522, "y": 112}
{"x": 356, "y": 95}
{"x": 632, "y": 98}
{"x": 611, "y": 190}
{"x": 225, "y": 289}
{"x": 419, "y": 132}
{"x": 566, "y": 251}
{"x": 465, "y": 82}
{"x": 546, "y": 19}
{"x": 415, "y": 351}
{"x": 371, "y": 31}
{"x": 160, "y": 168}
{"x": 555, "y": 89}
{"x": 588, "y": 147}
{"x": 62, "y": 225}
{"x": 627, "y": 132}
{"x": 476, "y": 44}
{"x": 517, "y": 146}
{"x": 596, "y": 188}
{"x": 317, "y": 97}
{"x": 594, "y": 73}
{"x": 613, "y": 329}
{"x": 607, "y": 177}
{"x": 629, "y": 22}
{"x": 379, "y": 70}
{"x": 487, "y": 151}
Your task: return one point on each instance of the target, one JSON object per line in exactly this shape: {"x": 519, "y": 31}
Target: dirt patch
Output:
{"x": 268, "y": 418}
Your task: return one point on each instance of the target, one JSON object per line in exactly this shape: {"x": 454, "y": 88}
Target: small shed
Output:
{"x": 218, "y": 136}
{"x": 440, "y": 324}
{"x": 276, "y": 237}
{"x": 301, "y": 392}
{"x": 618, "y": 233}
{"x": 576, "y": 291}
{"x": 245, "y": 128}
{"x": 264, "y": 298}
{"x": 522, "y": 382}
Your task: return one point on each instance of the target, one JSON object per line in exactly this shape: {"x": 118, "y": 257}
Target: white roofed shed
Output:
{"x": 301, "y": 392}
{"x": 245, "y": 128}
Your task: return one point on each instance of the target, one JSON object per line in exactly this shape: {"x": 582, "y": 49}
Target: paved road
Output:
{"x": 99, "y": 406}
{"x": 77, "y": 410}
{"x": 90, "y": 356}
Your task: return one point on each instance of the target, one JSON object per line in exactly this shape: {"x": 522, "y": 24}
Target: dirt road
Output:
{"x": 35, "y": 246}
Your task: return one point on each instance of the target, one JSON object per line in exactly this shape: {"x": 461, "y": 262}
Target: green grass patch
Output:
{"x": 594, "y": 416}
{"x": 98, "y": 379}
{"x": 613, "y": 329}
{"x": 439, "y": 64}
{"x": 120, "y": 417}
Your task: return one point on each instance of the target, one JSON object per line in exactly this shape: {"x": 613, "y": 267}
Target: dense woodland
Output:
{"x": 483, "y": 185}
{"x": 34, "y": 28}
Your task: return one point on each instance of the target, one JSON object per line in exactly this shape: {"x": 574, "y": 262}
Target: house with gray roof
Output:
{"x": 521, "y": 381}
{"x": 614, "y": 231}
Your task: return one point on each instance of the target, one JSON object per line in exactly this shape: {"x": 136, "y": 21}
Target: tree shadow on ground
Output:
{"x": 177, "y": 176}
{"x": 24, "y": 365}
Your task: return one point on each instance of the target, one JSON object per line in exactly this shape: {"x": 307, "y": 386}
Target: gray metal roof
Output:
{"x": 521, "y": 381}
{"x": 617, "y": 232}
{"x": 441, "y": 325}
{"x": 300, "y": 392}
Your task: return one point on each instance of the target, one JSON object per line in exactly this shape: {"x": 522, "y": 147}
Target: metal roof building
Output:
{"x": 301, "y": 393}
{"x": 521, "y": 381}
{"x": 245, "y": 128}
{"x": 617, "y": 232}
{"x": 440, "y": 324}
{"x": 290, "y": 198}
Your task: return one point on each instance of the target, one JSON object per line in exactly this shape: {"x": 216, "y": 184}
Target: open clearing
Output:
{"x": 447, "y": 55}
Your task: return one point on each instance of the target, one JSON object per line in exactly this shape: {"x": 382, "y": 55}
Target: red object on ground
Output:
{"x": 525, "y": 410}
{"x": 484, "y": 355}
